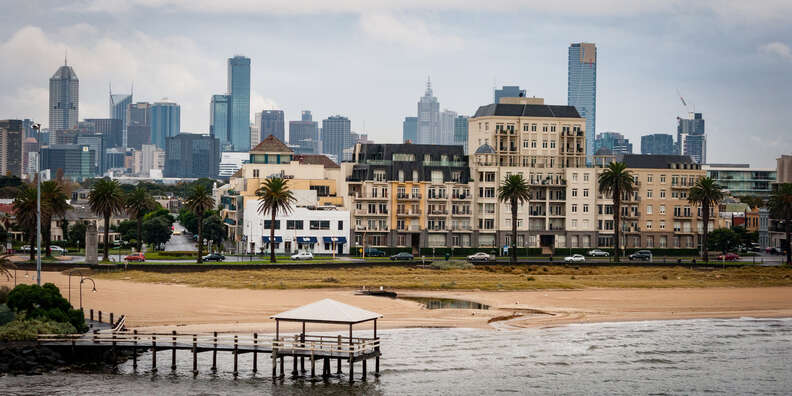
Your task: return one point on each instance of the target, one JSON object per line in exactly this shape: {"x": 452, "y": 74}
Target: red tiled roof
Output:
{"x": 317, "y": 159}
{"x": 271, "y": 144}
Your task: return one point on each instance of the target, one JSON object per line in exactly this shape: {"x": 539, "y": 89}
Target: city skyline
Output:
{"x": 637, "y": 76}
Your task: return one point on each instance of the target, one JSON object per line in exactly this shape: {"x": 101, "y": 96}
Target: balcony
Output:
{"x": 438, "y": 212}
{"x": 409, "y": 197}
{"x": 407, "y": 213}
{"x": 437, "y": 197}
{"x": 462, "y": 196}
{"x": 452, "y": 164}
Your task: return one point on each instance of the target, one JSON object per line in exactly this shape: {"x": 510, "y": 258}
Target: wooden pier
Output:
{"x": 318, "y": 350}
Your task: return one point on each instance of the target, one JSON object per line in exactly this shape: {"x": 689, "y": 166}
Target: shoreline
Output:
{"x": 166, "y": 307}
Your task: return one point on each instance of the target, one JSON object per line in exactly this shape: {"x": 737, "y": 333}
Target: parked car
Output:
{"x": 214, "y": 257}
{"x": 754, "y": 247}
{"x": 55, "y": 249}
{"x": 135, "y": 257}
{"x": 575, "y": 258}
{"x": 374, "y": 252}
{"x": 401, "y": 256}
{"x": 641, "y": 255}
{"x": 729, "y": 257}
{"x": 598, "y": 253}
{"x": 774, "y": 250}
{"x": 302, "y": 256}
{"x": 479, "y": 257}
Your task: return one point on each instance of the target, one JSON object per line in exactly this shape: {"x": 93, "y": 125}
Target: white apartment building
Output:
{"x": 319, "y": 230}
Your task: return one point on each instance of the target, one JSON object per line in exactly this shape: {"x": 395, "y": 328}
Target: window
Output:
{"x": 320, "y": 224}
{"x": 649, "y": 225}
{"x": 662, "y": 209}
{"x": 340, "y": 225}
{"x": 662, "y": 224}
{"x": 379, "y": 175}
{"x": 294, "y": 224}
{"x": 533, "y": 143}
{"x": 585, "y": 192}
{"x": 544, "y": 143}
{"x": 401, "y": 175}
{"x": 268, "y": 224}
{"x": 574, "y": 208}
{"x": 585, "y": 208}
{"x": 574, "y": 192}
{"x": 526, "y": 144}
{"x": 648, "y": 193}
{"x": 255, "y": 173}
{"x": 533, "y": 127}
{"x": 662, "y": 194}
{"x": 574, "y": 177}
{"x": 574, "y": 223}
{"x": 552, "y": 144}
{"x": 649, "y": 178}
{"x": 648, "y": 209}
{"x": 585, "y": 177}
{"x": 662, "y": 179}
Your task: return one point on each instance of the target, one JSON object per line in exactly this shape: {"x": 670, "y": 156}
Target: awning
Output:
{"x": 339, "y": 240}
{"x": 306, "y": 239}
{"x": 266, "y": 239}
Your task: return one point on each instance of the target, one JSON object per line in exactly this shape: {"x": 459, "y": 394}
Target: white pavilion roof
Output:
{"x": 327, "y": 311}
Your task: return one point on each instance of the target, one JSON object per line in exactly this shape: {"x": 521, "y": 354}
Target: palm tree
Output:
{"x": 26, "y": 212}
{"x": 514, "y": 190}
{"x": 274, "y": 196}
{"x": 53, "y": 194}
{"x": 707, "y": 194}
{"x": 6, "y": 266}
{"x": 781, "y": 209}
{"x": 617, "y": 181}
{"x": 105, "y": 199}
{"x": 199, "y": 201}
{"x": 137, "y": 203}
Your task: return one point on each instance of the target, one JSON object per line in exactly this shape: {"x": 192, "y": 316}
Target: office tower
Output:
{"x": 138, "y": 125}
{"x": 239, "y": 102}
{"x": 218, "y": 119}
{"x": 336, "y": 133}
{"x": 691, "y": 138}
{"x": 192, "y": 155}
{"x": 27, "y": 129}
{"x": 428, "y": 117}
{"x": 29, "y": 155}
{"x": 115, "y": 159}
{"x": 613, "y": 141}
{"x": 461, "y": 132}
{"x": 447, "y": 122}
{"x": 657, "y": 143}
{"x": 150, "y": 157}
{"x": 111, "y": 128}
{"x": 410, "y": 129}
{"x": 165, "y": 122}
{"x": 508, "y": 91}
{"x": 272, "y": 123}
{"x": 304, "y": 134}
{"x": 97, "y": 143}
{"x": 64, "y": 99}
{"x": 76, "y": 161}
{"x": 119, "y": 105}
{"x": 582, "y": 88}
{"x": 11, "y": 147}
{"x": 255, "y": 138}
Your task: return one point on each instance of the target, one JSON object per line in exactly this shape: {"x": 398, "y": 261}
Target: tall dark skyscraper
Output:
{"x": 657, "y": 143}
{"x": 582, "y": 88}
{"x": 304, "y": 134}
{"x": 508, "y": 91}
{"x": 11, "y": 147}
{"x": 218, "y": 119}
{"x": 461, "y": 131}
{"x": 239, "y": 102}
{"x": 410, "y": 129}
{"x": 138, "y": 125}
{"x": 192, "y": 155}
{"x": 119, "y": 104}
{"x": 165, "y": 122}
{"x": 691, "y": 138}
{"x": 336, "y": 133}
{"x": 613, "y": 141}
{"x": 77, "y": 161}
{"x": 64, "y": 99}
{"x": 272, "y": 123}
{"x": 110, "y": 128}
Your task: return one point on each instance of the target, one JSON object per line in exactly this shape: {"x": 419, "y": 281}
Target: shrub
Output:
{"x": 21, "y": 329}
{"x": 4, "y": 294}
{"x": 45, "y": 303}
{"x": 6, "y": 315}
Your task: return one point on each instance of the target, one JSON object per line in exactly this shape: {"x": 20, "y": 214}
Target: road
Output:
{"x": 182, "y": 242}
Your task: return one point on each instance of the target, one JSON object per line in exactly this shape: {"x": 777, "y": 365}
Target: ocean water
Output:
{"x": 732, "y": 356}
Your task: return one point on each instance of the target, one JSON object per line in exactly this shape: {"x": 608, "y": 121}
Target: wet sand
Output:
{"x": 190, "y": 309}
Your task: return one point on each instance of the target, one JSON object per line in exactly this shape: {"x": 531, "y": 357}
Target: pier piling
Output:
{"x": 214, "y": 353}
{"x": 195, "y": 355}
{"x": 134, "y": 350}
{"x": 173, "y": 352}
{"x": 255, "y": 352}
{"x": 153, "y": 354}
{"x": 236, "y": 354}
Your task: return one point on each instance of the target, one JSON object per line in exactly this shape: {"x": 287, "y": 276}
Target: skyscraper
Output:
{"x": 272, "y": 123}
{"x": 508, "y": 91}
{"x": 11, "y": 147}
{"x": 64, "y": 99}
{"x": 218, "y": 119}
{"x": 239, "y": 102}
{"x": 691, "y": 138}
{"x": 428, "y": 117}
{"x": 657, "y": 143}
{"x": 336, "y": 133}
{"x": 192, "y": 155}
{"x": 410, "y": 129}
{"x": 165, "y": 122}
{"x": 110, "y": 128}
{"x": 304, "y": 134}
{"x": 138, "y": 125}
{"x": 119, "y": 104}
{"x": 461, "y": 131}
{"x": 582, "y": 88}
{"x": 447, "y": 124}
{"x": 613, "y": 141}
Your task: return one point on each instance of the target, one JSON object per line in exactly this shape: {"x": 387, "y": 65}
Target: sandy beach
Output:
{"x": 169, "y": 306}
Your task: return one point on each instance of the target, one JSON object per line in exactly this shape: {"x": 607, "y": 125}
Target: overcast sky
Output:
{"x": 369, "y": 60}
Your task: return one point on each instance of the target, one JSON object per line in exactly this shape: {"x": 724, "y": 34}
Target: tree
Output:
{"x": 723, "y": 240}
{"x": 780, "y": 205}
{"x": 129, "y": 230}
{"x": 105, "y": 199}
{"x": 514, "y": 190}
{"x": 77, "y": 234}
{"x": 214, "y": 230}
{"x": 199, "y": 201}
{"x": 56, "y": 201}
{"x": 157, "y": 231}
{"x": 274, "y": 196}
{"x": 189, "y": 220}
{"x": 26, "y": 210}
{"x": 617, "y": 181}
{"x": 707, "y": 194}
{"x": 6, "y": 266}
{"x": 137, "y": 204}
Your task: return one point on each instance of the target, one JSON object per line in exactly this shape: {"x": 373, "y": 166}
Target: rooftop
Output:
{"x": 317, "y": 159}
{"x": 327, "y": 311}
{"x": 527, "y": 110}
{"x": 271, "y": 144}
{"x": 655, "y": 161}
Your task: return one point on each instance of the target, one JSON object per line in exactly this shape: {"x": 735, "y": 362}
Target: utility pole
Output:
{"x": 37, "y": 127}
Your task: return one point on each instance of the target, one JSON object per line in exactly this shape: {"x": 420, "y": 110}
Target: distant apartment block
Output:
{"x": 657, "y": 143}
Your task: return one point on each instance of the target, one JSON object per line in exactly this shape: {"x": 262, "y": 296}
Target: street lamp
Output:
{"x": 37, "y": 127}
{"x": 81, "y": 282}
{"x": 71, "y": 272}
